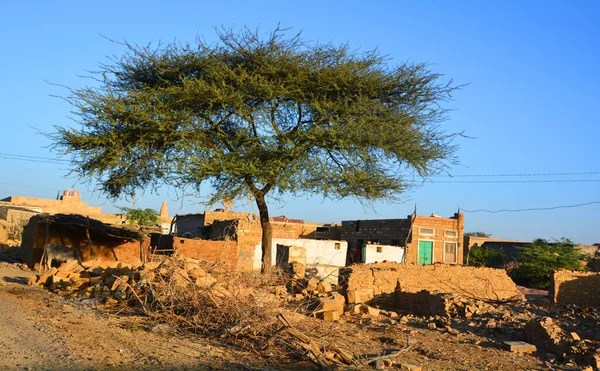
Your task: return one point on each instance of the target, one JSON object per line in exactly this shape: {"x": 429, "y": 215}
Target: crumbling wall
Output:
{"x": 106, "y": 249}
{"x": 224, "y": 252}
{"x": 574, "y": 287}
{"x": 424, "y": 303}
{"x": 371, "y": 280}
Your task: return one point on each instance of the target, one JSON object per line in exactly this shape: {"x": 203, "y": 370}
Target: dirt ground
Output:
{"x": 42, "y": 330}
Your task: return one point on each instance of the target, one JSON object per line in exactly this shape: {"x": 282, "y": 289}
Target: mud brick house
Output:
{"x": 426, "y": 239}
{"x": 233, "y": 239}
{"x": 94, "y": 240}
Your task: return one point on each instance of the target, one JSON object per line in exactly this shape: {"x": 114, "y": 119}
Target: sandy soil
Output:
{"x": 41, "y": 331}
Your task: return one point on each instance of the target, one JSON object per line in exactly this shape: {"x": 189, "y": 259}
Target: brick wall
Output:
{"x": 381, "y": 278}
{"x": 440, "y": 226}
{"x": 574, "y": 287}
{"x": 224, "y": 252}
{"x": 395, "y": 231}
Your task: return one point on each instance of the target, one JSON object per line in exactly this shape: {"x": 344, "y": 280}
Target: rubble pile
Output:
{"x": 118, "y": 282}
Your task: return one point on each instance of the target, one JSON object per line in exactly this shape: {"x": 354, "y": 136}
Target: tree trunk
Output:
{"x": 267, "y": 234}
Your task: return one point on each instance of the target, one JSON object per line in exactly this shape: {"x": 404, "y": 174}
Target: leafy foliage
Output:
{"x": 255, "y": 115}
{"x": 478, "y": 234}
{"x": 145, "y": 217}
{"x": 536, "y": 262}
{"x": 486, "y": 257}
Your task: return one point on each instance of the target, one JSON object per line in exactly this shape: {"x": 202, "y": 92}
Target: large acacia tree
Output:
{"x": 258, "y": 115}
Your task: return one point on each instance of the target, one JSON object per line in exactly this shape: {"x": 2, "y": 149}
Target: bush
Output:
{"x": 535, "y": 263}
{"x": 485, "y": 257}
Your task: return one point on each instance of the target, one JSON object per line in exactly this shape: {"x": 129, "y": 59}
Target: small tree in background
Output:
{"x": 145, "y": 217}
{"x": 478, "y": 234}
{"x": 485, "y": 257}
{"x": 535, "y": 263}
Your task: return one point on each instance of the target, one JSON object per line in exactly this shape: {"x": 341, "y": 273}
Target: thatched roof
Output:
{"x": 96, "y": 227}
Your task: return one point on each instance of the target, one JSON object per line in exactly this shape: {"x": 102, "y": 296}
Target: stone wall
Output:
{"x": 371, "y": 280}
{"x": 574, "y": 287}
{"x": 223, "y": 252}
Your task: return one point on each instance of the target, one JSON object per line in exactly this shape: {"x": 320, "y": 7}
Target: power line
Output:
{"x": 515, "y": 175}
{"x": 34, "y": 160}
{"x": 517, "y": 181}
{"x": 530, "y": 209}
{"x": 33, "y": 157}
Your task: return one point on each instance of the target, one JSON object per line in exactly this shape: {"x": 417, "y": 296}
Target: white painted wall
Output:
{"x": 388, "y": 253}
{"x": 321, "y": 254}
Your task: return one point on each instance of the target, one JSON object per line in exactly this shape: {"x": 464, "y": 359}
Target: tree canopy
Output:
{"x": 259, "y": 115}
{"x": 145, "y": 217}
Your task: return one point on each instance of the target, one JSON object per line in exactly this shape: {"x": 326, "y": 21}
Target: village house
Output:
{"x": 234, "y": 240}
{"x": 419, "y": 239}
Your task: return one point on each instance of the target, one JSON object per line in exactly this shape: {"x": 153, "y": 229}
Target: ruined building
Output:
{"x": 17, "y": 209}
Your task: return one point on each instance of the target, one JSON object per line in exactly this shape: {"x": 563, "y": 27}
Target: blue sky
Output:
{"x": 530, "y": 104}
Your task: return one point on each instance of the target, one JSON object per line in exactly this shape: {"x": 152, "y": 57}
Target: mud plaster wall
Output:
{"x": 381, "y": 278}
{"x": 67, "y": 205}
{"x": 226, "y": 252}
{"x": 105, "y": 248}
{"x": 579, "y": 288}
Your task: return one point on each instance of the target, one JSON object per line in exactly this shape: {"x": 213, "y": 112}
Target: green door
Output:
{"x": 425, "y": 252}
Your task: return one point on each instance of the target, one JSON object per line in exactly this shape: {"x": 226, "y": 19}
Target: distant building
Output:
{"x": 425, "y": 239}
{"x": 18, "y": 209}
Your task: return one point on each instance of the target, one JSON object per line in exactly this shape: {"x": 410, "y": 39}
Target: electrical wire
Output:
{"x": 530, "y": 209}
{"x": 515, "y": 175}
{"x": 516, "y": 181}
{"x": 33, "y": 157}
{"x": 61, "y": 162}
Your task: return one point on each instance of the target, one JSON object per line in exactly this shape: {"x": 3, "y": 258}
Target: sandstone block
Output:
{"x": 354, "y": 297}
{"x": 68, "y": 266}
{"x": 409, "y": 367}
{"x": 46, "y": 277}
{"x": 334, "y": 302}
{"x": 367, "y": 309}
{"x": 575, "y": 336}
{"x": 519, "y": 347}
{"x": 331, "y": 315}
{"x": 312, "y": 284}
{"x": 324, "y": 287}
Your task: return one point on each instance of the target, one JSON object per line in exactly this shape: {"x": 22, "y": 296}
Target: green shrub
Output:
{"x": 535, "y": 263}
{"x": 145, "y": 217}
{"x": 486, "y": 257}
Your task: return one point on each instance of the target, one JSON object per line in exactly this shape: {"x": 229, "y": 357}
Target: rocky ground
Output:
{"x": 44, "y": 330}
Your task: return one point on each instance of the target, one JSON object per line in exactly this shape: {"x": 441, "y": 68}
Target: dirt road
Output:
{"x": 40, "y": 331}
